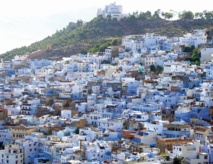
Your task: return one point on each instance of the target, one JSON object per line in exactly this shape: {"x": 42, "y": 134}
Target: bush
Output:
{"x": 166, "y": 157}
{"x": 156, "y": 69}
{"x": 177, "y": 160}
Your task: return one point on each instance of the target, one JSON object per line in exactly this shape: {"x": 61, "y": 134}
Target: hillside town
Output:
{"x": 110, "y": 107}
{"x": 144, "y": 101}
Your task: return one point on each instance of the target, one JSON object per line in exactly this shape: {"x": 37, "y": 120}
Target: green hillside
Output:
{"x": 77, "y": 37}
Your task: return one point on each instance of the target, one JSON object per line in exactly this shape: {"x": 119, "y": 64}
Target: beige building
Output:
{"x": 201, "y": 133}
{"x": 18, "y": 132}
{"x": 167, "y": 143}
{"x": 190, "y": 152}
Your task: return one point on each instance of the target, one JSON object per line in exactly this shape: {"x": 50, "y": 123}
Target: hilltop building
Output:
{"x": 112, "y": 10}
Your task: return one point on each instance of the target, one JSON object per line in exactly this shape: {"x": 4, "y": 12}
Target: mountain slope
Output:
{"x": 82, "y": 36}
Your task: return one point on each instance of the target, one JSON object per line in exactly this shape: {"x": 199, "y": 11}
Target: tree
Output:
{"x": 199, "y": 15}
{"x": 79, "y": 23}
{"x": 156, "y": 14}
{"x": 196, "y": 53}
{"x": 156, "y": 69}
{"x": 145, "y": 15}
{"x": 136, "y": 14}
{"x": 195, "y": 57}
{"x": 109, "y": 18}
{"x": 186, "y": 15}
{"x": 83, "y": 51}
{"x": 142, "y": 15}
{"x": 152, "y": 68}
{"x": 148, "y": 14}
{"x": 159, "y": 69}
{"x": 131, "y": 16}
{"x": 167, "y": 15}
{"x": 77, "y": 131}
{"x": 114, "y": 42}
{"x": 208, "y": 14}
{"x": 105, "y": 62}
{"x": 188, "y": 48}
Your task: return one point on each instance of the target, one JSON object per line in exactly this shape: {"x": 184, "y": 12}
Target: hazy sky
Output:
{"x": 23, "y": 22}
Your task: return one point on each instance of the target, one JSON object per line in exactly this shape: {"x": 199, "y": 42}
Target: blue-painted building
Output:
{"x": 176, "y": 130}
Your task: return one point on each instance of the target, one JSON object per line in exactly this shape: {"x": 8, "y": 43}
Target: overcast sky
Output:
{"x": 23, "y": 22}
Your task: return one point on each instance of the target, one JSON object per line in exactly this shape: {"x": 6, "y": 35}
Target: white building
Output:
{"x": 206, "y": 55}
{"x": 209, "y": 71}
{"x": 24, "y": 71}
{"x": 20, "y": 58}
{"x": 89, "y": 133}
{"x": 208, "y": 101}
{"x": 66, "y": 114}
{"x": 172, "y": 56}
{"x": 151, "y": 39}
{"x": 82, "y": 66}
{"x": 5, "y": 136}
{"x": 113, "y": 10}
{"x": 12, "y": 154}
{"x": 194, "y": 39}
{"x": 113, "y": 124}
{"x": 133, "y": 43}
{"x": 93, "y": 67}
{"x": 99, "y": 150}
{"x": 155, "y": 127}
{"x": 171, "y": 67}
{"x": 12, "y": 110}
{"x": 30, "y": 146}
{"x": 108, "y": 53}
{"x": 92, "y": 118}
{"x": 82, "y": 107}
{"x": 190, "y": 152}
{"x": 91, "y": 99}
{"x": 150, "y": 60}
{"x": 145, "y": 137}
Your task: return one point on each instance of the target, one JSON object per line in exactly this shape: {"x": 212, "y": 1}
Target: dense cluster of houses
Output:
{"x": 81, "y": 110}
